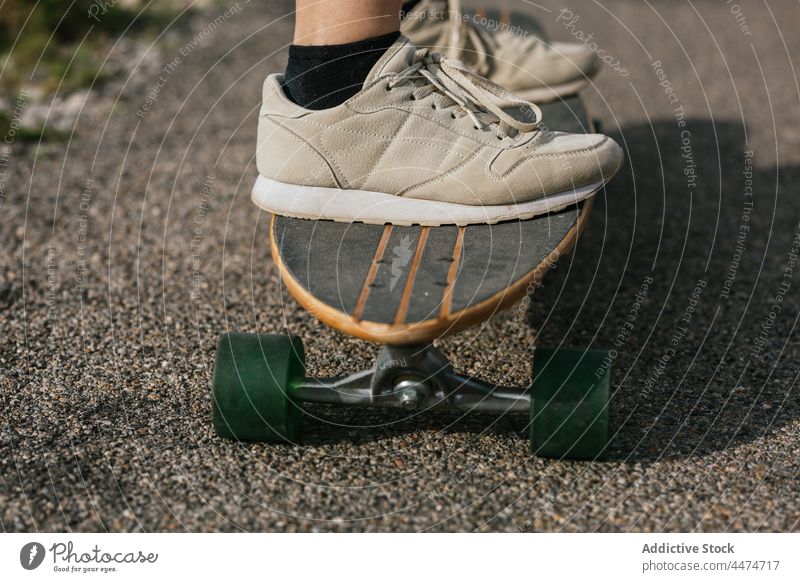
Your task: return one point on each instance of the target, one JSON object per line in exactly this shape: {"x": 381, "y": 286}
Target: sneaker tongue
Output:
{"x": 396, "y": 58}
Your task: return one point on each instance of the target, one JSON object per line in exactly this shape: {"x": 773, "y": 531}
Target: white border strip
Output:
{"x": 399, "y": 557}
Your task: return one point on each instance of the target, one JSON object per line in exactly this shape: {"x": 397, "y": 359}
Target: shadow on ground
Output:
{"x": 664, "y": 272}
{"x": 705, "y": 269}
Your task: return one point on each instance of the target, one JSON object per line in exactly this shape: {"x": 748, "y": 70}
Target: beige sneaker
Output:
{"x": 423, "y": 142}
{"x": 519, "y": 61}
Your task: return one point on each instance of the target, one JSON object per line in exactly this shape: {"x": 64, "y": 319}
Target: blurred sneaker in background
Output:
{"x": 514, "y": 57}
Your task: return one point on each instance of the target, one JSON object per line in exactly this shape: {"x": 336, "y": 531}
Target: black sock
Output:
{"x": 319, "y": 77}
{"x": 408, "y": 6}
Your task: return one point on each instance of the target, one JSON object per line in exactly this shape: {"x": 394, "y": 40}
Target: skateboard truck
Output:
{"x": 260, "y": 384}
{"x": 415, "y": 377}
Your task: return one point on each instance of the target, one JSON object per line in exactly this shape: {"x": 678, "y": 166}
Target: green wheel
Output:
{"x": 569, "y": 404}
{"x": 253, "y": 380}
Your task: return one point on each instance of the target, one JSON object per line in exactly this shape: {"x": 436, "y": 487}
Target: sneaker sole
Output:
{"x": 317, "y": 203}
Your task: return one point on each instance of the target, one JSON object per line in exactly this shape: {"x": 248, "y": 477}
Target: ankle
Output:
{"x": 320, "y": 77}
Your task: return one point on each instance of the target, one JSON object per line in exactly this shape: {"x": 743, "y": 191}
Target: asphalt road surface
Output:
{"x": 128, "y": 248}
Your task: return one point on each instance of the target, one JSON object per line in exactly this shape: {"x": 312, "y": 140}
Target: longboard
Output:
{"x": 412, "y": 284}
{"x": 404, "y": 286}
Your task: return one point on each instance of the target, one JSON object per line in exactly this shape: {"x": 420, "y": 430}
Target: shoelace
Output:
{"x": 465, "y": 35}
{"x": 487, "y": 103}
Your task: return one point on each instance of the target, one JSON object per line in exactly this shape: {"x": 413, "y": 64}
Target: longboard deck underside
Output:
{"x": 409, "y": 284}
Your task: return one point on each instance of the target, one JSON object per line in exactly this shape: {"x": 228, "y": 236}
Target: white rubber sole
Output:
{"x": 316, "y": 203}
